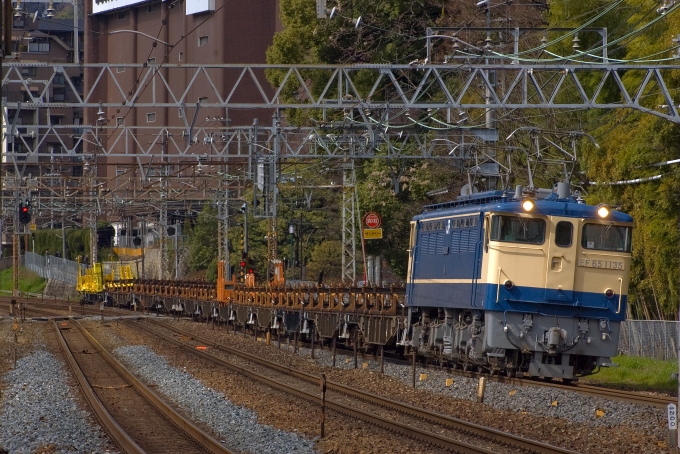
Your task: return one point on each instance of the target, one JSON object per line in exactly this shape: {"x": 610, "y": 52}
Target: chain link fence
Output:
{"x": 656, "y": 339}
{"x": 51, "y": 267}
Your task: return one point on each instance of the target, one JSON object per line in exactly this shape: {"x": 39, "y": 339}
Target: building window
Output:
{"x": 56, "y": 119}
{"x": 120, "y": 121}
{"x": 151, "y": 117}
{"x": 39, "y": 45}
{"x": 181, "y": 56}
{"x": 28, "y": 71}
{"x": 121, "y": 170}
{"x": 59, "y": 79}
{"x": 179, "y": 112}
{"x": 203, "y": 100}
{"x": 120, "y": 69}
{"x": 152, "y": 7}
{"x": 151, "y": 61}
{"x": 202, "y": 41}
{"x": 122, "y": 15}
{"x": 58, "y": 93}
{"x": 55, "y": 149}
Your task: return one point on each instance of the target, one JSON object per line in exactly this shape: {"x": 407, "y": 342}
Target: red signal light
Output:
{"x": 243, "y": 263}
{"x": 24, "y": 209}
{"x": 250, "y": 271}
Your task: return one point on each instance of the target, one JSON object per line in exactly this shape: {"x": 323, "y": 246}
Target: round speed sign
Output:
{"x": 372, "y": 220}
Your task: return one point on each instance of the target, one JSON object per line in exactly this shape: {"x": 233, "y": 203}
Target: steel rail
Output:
{"x": 659, "y": 401}
{"x": 207, "y": 441}
{"x": 435, "y": 418}
{"x": 121, "y": 438}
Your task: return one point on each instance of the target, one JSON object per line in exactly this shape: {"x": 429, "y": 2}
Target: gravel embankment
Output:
{"x": 255, "y": 418}
{"x": 40, "y": 409}
{"x": 535, "y": 400}
{"x": 271, "y": 407}
{"x": 566, "y": 419}
{"x": 236, "y": 426}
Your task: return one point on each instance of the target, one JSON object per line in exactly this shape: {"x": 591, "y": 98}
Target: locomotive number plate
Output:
{"x": 600, "y": 264}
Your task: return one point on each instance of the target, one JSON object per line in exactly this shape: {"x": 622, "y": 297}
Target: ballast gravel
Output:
{"x": 236, "y": 426}
{"x": 536, "y": 400}
{"x": 567, "y": 419}
{"x": 39, "y": 412}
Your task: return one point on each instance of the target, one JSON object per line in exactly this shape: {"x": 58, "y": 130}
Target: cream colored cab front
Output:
{"x": 558, "y": 259}
{"x": 517, "y": 252}
{"x": 603, "y": 260}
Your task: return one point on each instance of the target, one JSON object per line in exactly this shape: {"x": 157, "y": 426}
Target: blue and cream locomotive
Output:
{"x": 530, "y": 282}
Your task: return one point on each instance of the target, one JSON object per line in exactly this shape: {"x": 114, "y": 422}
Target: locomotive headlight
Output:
{"x": 604, "y": 336}
{"x": 609, "y": 293}
{"x": 588, "y": 340}
{"x": 603, "y": 211}
{"x": 508, "y": 284}
{"x": 527, "y": 204}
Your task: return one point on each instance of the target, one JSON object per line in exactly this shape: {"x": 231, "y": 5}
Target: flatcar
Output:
{"x": 530, "y": 282}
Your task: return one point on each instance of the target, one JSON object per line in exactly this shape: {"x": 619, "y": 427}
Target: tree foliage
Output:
{"x": 630, "y": 143}
{"x": 202, "y": 240}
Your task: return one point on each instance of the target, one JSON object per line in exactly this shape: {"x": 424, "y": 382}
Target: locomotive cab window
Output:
{"x": 606, "y": 237}
{"x": 564, "y": 231}
{"x": 515, "y": 229}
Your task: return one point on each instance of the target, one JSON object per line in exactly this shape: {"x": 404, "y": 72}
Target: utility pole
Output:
{"x": 7, "y": 24}
{"x": 492, "y": 181}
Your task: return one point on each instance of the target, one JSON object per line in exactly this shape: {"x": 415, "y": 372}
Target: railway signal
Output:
{"x": 25, "y": 212}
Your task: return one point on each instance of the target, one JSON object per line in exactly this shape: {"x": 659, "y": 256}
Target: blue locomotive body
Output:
{"x": 523, "y": 284}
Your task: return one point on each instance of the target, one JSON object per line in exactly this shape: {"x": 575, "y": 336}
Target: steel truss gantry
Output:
{"x": 415, "y": 111}
{"x": 415, "y": 86}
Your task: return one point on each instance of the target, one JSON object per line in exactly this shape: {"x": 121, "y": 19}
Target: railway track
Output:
{"x": 137, "y": 420}
{"x": 440, "y": 431}
{"x": 48, "y": 307}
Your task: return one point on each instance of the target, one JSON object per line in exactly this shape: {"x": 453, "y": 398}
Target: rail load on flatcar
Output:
{"x": 530, "y": 282}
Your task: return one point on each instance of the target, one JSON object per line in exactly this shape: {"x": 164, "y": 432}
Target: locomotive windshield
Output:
{"x": 514, "y": 229}
{"x": 606, "y": 237}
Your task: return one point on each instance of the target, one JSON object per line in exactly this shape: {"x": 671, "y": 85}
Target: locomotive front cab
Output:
{"x": 602, "y": 265}
{"x": 560, "y": 296}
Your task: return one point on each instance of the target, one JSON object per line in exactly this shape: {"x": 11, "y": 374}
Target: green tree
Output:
{"x": 326, "y": 262}
{"x": 630, "y": 144}
{"x": 202, "y": 239}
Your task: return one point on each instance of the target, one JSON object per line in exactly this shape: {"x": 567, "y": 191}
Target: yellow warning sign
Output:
{"x": 372, "y": 234}
{"x": 33, "y": 227}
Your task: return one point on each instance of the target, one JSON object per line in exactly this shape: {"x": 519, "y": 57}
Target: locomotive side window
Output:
{"x": 606, "y": 237}
{"x": 563, "y": 233}
{"x": 514, "y": 229}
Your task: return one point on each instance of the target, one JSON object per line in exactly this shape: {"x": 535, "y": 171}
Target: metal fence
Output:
{"x": 650, "y": 339}
{"x": 51, "y": 267}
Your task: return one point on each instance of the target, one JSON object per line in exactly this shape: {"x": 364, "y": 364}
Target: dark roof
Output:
{"x": 54, "y": 25}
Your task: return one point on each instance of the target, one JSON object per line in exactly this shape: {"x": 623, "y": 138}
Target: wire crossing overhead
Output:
{"x": 415, "y": 86}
